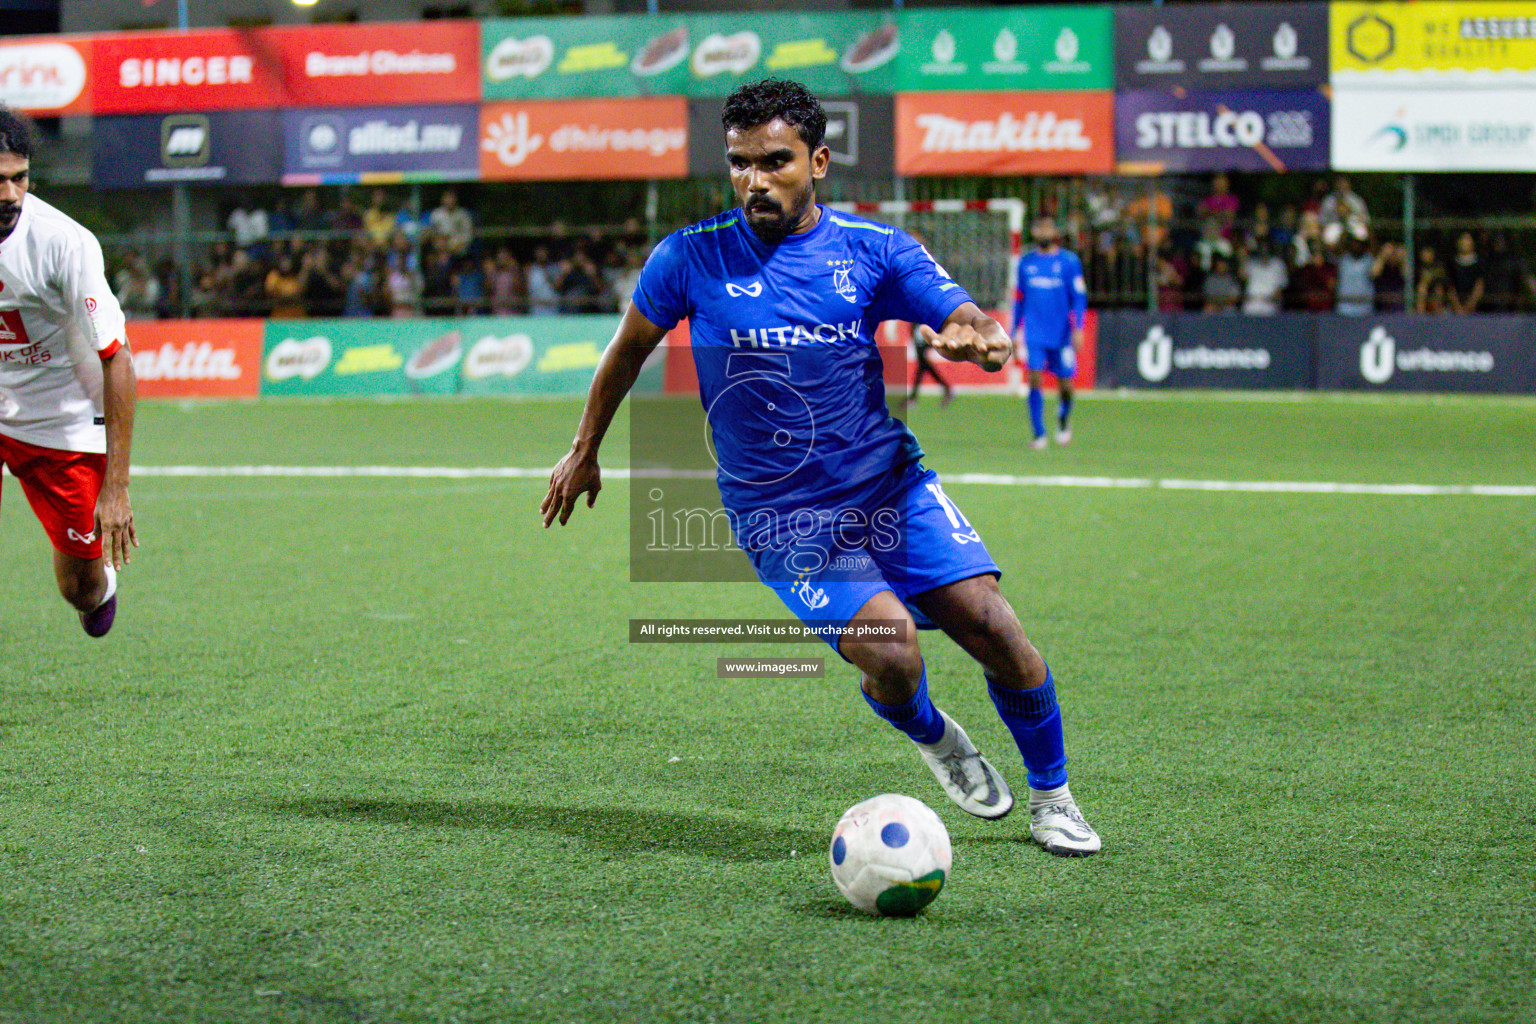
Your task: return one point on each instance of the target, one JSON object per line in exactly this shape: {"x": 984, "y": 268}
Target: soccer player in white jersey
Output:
{"x": 67, "y": 389}
{"x": 826, "y": 490}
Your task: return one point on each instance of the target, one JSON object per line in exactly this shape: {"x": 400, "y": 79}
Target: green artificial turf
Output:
{"x": 380, "y": 750}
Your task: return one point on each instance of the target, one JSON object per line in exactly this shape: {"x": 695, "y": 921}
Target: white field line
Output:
{"x": 986, "y": 479}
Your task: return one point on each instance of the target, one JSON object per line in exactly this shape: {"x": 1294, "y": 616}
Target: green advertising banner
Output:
{"x": 552, "y": 355}
{"x": 672, "y": 55}
{"x": 1025, "y": 49}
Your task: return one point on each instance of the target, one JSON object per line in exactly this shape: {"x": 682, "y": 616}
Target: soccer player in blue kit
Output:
{"x": 1049, "y": 306}
{"x": 825, "y": 489}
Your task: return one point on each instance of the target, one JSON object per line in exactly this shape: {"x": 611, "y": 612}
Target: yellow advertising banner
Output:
{"x": 1483, "y": 42}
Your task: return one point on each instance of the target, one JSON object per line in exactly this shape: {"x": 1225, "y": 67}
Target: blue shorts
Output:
{"x": 1062, "y": 362}
{"x": 901, "y": 534}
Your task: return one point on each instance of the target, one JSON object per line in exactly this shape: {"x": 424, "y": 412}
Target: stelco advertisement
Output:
{"x": 1159, "y": 132}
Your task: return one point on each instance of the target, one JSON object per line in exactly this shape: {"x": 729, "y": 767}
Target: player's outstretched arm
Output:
{"x": 969, "y": 335}
{"x": 577, "y": 473}
{"x": 114, "y": 512}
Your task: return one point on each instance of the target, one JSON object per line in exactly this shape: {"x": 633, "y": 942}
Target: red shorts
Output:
{"x": 62, "y": 488}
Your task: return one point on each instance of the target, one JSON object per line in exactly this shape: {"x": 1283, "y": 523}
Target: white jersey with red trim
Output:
{"x": 58, "y": 321}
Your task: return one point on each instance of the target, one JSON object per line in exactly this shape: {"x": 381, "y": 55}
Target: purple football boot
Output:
{"x": 98, "y": 623}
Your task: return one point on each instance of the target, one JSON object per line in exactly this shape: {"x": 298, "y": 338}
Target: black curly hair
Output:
{"x": 760, "y": 102}
{"x": 15, "y": 133}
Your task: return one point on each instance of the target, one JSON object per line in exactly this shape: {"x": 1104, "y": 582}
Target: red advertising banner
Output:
{"x": 154, "y": 72}
{"x": 540, "y": 140}
{"x": 1002, "y": 133}
{"x": 46, "y": 75}
{"x": 197, "y": 358}
{"x": 378, "y": 64}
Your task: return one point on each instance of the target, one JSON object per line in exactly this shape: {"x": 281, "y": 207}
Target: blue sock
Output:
{"x": 1063, "y": 410}
{"x": 918, "y": 718}
{"x": 1037, "y": 411}
{"x": 1035, "y": 721}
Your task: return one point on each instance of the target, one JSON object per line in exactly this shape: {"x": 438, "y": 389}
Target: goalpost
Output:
{"x": 978, "y": 241}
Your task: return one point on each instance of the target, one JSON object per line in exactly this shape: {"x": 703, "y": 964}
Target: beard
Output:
{"x": 9, "y": 214}
{"x": 773, "y": 223}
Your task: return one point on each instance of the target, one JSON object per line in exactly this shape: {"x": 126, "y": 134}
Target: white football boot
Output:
{"x": 1064, "y": 435}
{"x": 967, "y": 777}
{"x": 1038, "y": 444}
{"x": 1056, "y": 823}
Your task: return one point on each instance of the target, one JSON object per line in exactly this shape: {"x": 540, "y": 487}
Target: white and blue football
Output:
{"x": 890, "y": 855}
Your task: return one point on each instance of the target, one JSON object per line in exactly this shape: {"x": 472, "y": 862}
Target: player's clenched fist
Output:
{"x": 975, "y": 342}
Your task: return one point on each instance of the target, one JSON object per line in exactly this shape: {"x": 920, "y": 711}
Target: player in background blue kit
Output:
{"x": 825, "y": 489}
{"x": 1049, "y": 306}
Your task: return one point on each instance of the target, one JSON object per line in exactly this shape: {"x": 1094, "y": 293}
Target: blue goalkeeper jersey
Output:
{"x": 784, "y": 341}
{"x": 1050, "y": 298}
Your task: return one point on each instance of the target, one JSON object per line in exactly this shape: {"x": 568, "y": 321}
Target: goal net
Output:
{"x": 977, "y": 240}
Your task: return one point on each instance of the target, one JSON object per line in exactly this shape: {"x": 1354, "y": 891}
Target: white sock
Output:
{"x": 111, "y": 584}
{"x": 1062, "y": 794}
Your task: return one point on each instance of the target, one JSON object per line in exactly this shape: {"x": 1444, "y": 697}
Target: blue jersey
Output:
{"x": 1050, "y": 298}
{"x": 784, "y": 341}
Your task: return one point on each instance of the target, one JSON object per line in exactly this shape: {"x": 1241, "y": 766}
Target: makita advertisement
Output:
{"x": 341, "y": 145}
{"x": 1004, "y": 133}
{"x": 197, "y": 358}
{"x": 1417, "y": 353}
{"x": 1190, "y": 350}
{"x": 860, "y": 135}
{"x": 1161, "y": 132}
{"x": 1221, "y": 46}
{"x": 238, "y": 147}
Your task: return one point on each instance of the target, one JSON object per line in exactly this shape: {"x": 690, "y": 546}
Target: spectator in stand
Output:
{"x": 246, "y": 284}
{"x": 403, "y": 254}
{"x": 284, "y": 290}
{"x": 509, "y": 292}
{"x": 1314, "y": 203}
{"x": 468, "y": 286}
{"x": 452, "y": 222}
{"x": 137, "y": 290}
{"x": 1315, "y": 283}
{"x": 168, "y": 280}
{"x": 1307, "y": 240}
{"x": 322, "y": 288}
{"x": 1221, "y": 289}
{"x": 1510, "y": 280}
{"x": 582, "y": 283}
{"x": 437, "y": 297}
{"x": 409, "y": 221}
{"x": 346, "y": 217}
{"x": 1465, "y": 273}
{"x": 1212, "y": 245}
{"x": 1172, "y": 268}
{"x": 362, "y": 284}
{"x": 1261, "y": 229}
{"x": 1285, "y": 229}
{"x": 1355, "y": 292}
{"x": 1432, "y": 294}
{"x": 1343, "y": 206}
{"x": 248, "y": 223}
{"x": 1150, "y": 213}
{"x": 545, "y": 277}
{"x": 1221, "y": 206}
{"x": 1389, "y": 278}
{"x": 206, "y": 301}
{"x": 1264, "y": 280}
{"x": 379, "y": 220}
{"x": 403, "y": 287}
{"x": 622, "y": 275}
{"x": 307, "y": 216}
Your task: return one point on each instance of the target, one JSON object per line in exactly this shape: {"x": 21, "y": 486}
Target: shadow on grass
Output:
{"x": 619, "y": 829}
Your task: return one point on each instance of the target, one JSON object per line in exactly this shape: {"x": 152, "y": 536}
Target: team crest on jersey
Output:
{"x": 840, "y": 280}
